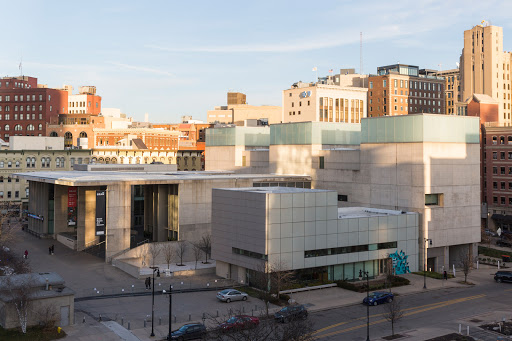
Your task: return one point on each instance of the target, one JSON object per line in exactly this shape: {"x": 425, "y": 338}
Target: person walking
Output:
{"x": 148, "y": 283}
{"x": 53, "y": 249}
{"x": 50, "y": 250}
{"x": 445, "y": 275}
{"x": 25, "y": 255}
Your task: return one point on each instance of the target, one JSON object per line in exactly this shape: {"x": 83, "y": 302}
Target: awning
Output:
{"x": 502, "y": 218}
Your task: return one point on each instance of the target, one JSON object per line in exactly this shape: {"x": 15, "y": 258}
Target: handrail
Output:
{"x": 88, "y": 245}
{"x": 143, "y": 242}
{"x": 119, "y": 254}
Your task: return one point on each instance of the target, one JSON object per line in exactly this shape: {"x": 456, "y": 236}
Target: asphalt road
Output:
{"x": 438, "y": 308}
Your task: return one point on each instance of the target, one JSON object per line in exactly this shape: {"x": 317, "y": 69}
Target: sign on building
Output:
{"x": 101, "y": 212}
{"x": 72, "y": 199}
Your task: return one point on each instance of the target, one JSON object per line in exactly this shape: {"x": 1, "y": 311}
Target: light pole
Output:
{"x": 425, "y": 263}
{"x": 361, "y": 274}
{"x": 170, "y": 312}
{"x": 157, "y": 270}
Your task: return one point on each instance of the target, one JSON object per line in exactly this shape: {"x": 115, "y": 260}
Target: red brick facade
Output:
{"x": 25, "y": 109}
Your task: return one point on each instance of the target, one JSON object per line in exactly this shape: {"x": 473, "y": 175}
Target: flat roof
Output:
{"x": 102, "y": 178}
{"x": 276, "y": 190}
{"x": 365, "y": 212}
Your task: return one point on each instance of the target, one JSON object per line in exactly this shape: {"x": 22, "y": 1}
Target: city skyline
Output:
{"x": 181, "y": 59}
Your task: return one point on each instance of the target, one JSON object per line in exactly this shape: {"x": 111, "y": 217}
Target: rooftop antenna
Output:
{"x": 21, "y": 64}
{"x": 361, "y": 52}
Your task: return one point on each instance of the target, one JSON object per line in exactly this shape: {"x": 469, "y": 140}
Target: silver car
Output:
{"x": 229, "y": 295}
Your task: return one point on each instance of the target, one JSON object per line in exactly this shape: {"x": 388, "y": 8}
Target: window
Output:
{"x": 494, "y": 200}
{"x": 502, "y": 155}
{"x": 321, "y": 161}
{"x": 9, "y": 194}
{"x": 9, "y": 164}
{"x": 503, "y": 185}
{"x": 502, "y": 200}
{"x": 502, "y": 170}
{"x": 384, "y": 83}
{"x": 342, "y": 197}
{"x": 17, "y": 194}
{"x": 371, "y": 85}
{"x": 495, "y": 185}
{"x": 26, "y": 192}
{"x": 433, "y": 199}
{"x": 17, "y": 164}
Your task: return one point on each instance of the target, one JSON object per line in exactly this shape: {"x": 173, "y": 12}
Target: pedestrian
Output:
{"x": 50, "y": 250}
{"x": 53, "y": 249}
{"x": 445, "y": 275}
{"x": 25, "y": 255}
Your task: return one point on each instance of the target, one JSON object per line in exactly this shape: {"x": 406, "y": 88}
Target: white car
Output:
{"x": 229, "y": 295}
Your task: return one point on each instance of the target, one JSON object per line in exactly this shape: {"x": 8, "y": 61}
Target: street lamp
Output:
{"x": 157, "y": 271}
{"x": 425, "y": 263}
{"x": 170, "y": 311}
{"x": 361, "y": 274}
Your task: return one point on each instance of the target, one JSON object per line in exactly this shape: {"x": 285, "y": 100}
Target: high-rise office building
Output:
{"x": 485, "y": 67}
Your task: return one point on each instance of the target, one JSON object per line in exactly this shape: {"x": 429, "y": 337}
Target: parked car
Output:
{"x": 291, "y": 312}
{"x": 501, "y": 242}
{"x": 503, "y": 276}
{"x": 190, "y": 331}
{"x": 240, "y": 322}
{"x": 490, "y": 233}
{"x": 229, "y": 295}
{"x": 378, "y": 297}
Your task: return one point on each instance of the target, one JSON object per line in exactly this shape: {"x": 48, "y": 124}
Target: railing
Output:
{"x": 91, "y": 243}
{"x": 143, "y": 242}
{"x": 118, "y": 254}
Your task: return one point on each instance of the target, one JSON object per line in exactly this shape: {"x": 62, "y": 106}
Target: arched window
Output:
{"x": 101, "y": 160}
{"x": 146, "y": 160}
{"x": 28, "y": 162}
{"x": 48, "y": 162}
{"x": 68, "y": 139}
{"x": 17, "y": 164}
{"x": 30, "y": 127}
{"x": 114, "y": 160}
{"x": 26, "y": 192}
{"x": 53, "y": 134}
{"x": 57, "y": 162}
{"x": 18, "y": 127}
{"x": 72, "y": 161}
{"x": 43, "y": 162}
{"x": 6, "y": 128}
{"x": 83, "y": 134}
{"x": 107, "y": 160}
{"x": 80, "y": 161}
{"x": 1, "y": 164}
{"x": 33, "y": 162}
{"x": 40, "y": 127}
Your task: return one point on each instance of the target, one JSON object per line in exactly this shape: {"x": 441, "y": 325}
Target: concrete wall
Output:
{"x": 9, "y": 316}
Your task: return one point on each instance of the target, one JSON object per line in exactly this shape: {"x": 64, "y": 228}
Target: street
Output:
{"x": 440, "y": 309}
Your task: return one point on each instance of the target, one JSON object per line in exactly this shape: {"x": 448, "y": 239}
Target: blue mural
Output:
{"x": 400, "y": 263}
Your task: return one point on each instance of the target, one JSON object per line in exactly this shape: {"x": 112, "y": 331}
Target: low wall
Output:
{"x": 69, "y": 242}
{"x": 128, "y": 266}
{"x": 140, "y": 251}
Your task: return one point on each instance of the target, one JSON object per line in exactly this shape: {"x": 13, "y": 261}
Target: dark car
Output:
{"x": 490, "y": 233}
{"x": 503, "y": 276}
{"x": 240, "y": 322}
{"x": 290, "y": 313}
{"x": 378, "y": 297}
{"x": 189, "y": 332}
{"x": 503, "y": 243}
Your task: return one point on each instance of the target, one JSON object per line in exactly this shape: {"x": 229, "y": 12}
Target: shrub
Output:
{"x": 347, "y": 285}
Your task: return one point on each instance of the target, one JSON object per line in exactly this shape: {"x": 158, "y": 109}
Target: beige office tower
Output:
{"x": 485, "y": 67}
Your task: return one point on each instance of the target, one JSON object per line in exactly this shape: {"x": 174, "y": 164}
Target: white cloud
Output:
{"x": 143, "y": 69}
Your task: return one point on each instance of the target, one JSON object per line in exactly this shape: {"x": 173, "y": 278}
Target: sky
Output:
{"x": 175, "y": 58}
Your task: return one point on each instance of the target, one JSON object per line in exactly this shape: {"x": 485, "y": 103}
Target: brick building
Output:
{"x": 405, "y": 89}
{"x": 85, "y": 102}
{"x": 26, "y": 107}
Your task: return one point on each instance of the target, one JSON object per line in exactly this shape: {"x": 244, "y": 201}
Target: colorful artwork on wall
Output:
{"x": 400, "y": 263}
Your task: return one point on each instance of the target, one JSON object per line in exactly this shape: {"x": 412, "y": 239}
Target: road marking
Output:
{"x": 421, "y": 309}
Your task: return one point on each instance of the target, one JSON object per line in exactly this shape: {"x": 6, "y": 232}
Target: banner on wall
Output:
{"x": 72, "y": 204}
{"x": 101, "y": 212}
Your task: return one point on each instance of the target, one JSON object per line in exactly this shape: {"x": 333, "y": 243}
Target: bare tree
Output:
{"x": 20, "y": 292}
{"x": 197, "y": 252}
{"x": 262, "y": 280}
{"x": 279, "y": 276}
{"x": 393, "y": 313}
{"x": 168, "y": 250}
{"x": 267, "y": 330}
{"x": 181, "y": 248}
{"x": 205, "y": 244}
{"x": 154, "y": 251}
{"x": 465, "y": 263}
{"x": 47, "y": 315}
{"x": 142, "y": 253}
{"x": 10, "y": 223}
